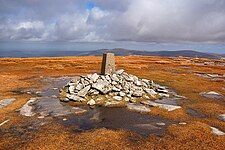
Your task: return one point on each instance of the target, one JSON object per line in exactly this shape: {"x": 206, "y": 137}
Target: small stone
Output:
{"x": 150, "y": 91}
{"x": 126, "y": 99}
{"x": 91, "y": 102}
{"x": 122, "y": 93}
{"x": 217, "y": 131}
{"x": 115, "y": 89}
{"x": 138, "y": 83}
{"x": 182, "y": 123}
{"x": 64, "y": 119}
{"x": 112, "y": 104}
{"x": 114, "y": 78}
{"x": 79, "y": 86}
{"x": 222, "y": 117}
{"x": 120, "y": 71}
{"x": 94, "y": 77}
{"x": 26, "y": 110}
{"x": 118, "y": 98}
{"x": 160, "y": 123}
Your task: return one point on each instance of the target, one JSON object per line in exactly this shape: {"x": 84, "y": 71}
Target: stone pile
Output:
{"x": 119, "y": 86}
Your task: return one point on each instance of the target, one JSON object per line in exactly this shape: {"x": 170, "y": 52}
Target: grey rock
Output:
{"x": 71, "y": 89}
{"x": 114, "y": 83}
{"x": 26, "y": 109}
{"x": 163, "y": 106}
{"x": 83, "y": 92}
{"x": 138, "y": 107}
{"x": 74, "y": 98}
{"x": 6, "y": 102}
{"x": 222, "y": 117}
{"x": 212, "y": 95}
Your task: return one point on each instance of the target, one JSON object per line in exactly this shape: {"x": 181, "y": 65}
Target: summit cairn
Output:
{"x": 112, "y": 88}
{"x": 108, "y": 64}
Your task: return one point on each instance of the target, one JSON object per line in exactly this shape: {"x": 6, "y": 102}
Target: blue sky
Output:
{"x": 135, "y": 24}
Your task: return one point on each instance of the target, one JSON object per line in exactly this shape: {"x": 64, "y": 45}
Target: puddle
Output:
{"x": 117, "y": 118}
{"x": 85, "y": 118}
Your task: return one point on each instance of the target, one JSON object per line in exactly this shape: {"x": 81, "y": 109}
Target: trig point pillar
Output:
{"x": 108, "y": 64}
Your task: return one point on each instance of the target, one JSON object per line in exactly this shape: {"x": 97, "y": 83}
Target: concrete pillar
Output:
{"x": 108, "y": 64}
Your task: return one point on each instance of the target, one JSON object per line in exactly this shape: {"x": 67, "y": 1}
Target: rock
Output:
{"x": 120, "y": 71}
{"x": 182, "y": 123}
{"x": 94, "y": 77}
{"x": 118, "y": 98}
{"x": 138, "y": 107}
{"x": 160, "y": 123}
{"x": 115, "y": 89}
{"x": 163, "y": 95}
{"x": 75, "y": 98}
{"x": 222, "y": 117}
{"x": 122, "y": 93}
{"x": 6, "y": 102}
{"x": 217, "y": 131}
{"x": 26, "y": 110}
{"x": 78, "y": 110}
{"x": 91, "y": 102}
{"x": 137, "y": 93}
{"x": 162, "y": 91}
{"x": 212, "y": 95}
{"x": 137, "y": 82}
{"x": 115, "y": 78}
{"x": 79, "y": 86}
{"x": 64, "y": 99}
{"x": 83, "y": 92}
{"x": 126, "y": 99}
{"x": 102, "y": 87}
{"x": 163, "y": 106}
{"x": 93, "y": 92}
{"x": 112, "y": 104}
{"x": 146, "y": 81}
{"x": 150, "y": 91}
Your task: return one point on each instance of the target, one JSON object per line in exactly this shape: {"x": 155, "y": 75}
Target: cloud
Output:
{"x": 113, "y": 20}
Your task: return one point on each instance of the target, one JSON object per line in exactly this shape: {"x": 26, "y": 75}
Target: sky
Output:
{"x": 137, "y": 24}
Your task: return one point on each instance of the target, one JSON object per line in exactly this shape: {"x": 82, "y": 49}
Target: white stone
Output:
{"x": 120, "y": 71}
{"x": 138, "y": 107}
{"x": 115, "y": 78}
{"x": 122, "y": 93}
{"x": 91, "y": 102}
{"x": 118, "y": 98}
{"x": 160, "y": 123}
{"x": 150, "y": 91}
{"x": 94, "y": 77}
{"x": 217, "y": 131}
{"x": 6, "y": 102}
{"x": 163, "y": 106}
{"x": 26, "y": 110}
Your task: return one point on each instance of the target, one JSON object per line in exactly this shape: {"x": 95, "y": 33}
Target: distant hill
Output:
{"x": 117, "y": 51}
{"x": 185, "y": 53}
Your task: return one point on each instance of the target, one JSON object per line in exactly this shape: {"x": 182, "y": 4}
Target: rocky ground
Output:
{"x": 181, "y": 101}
